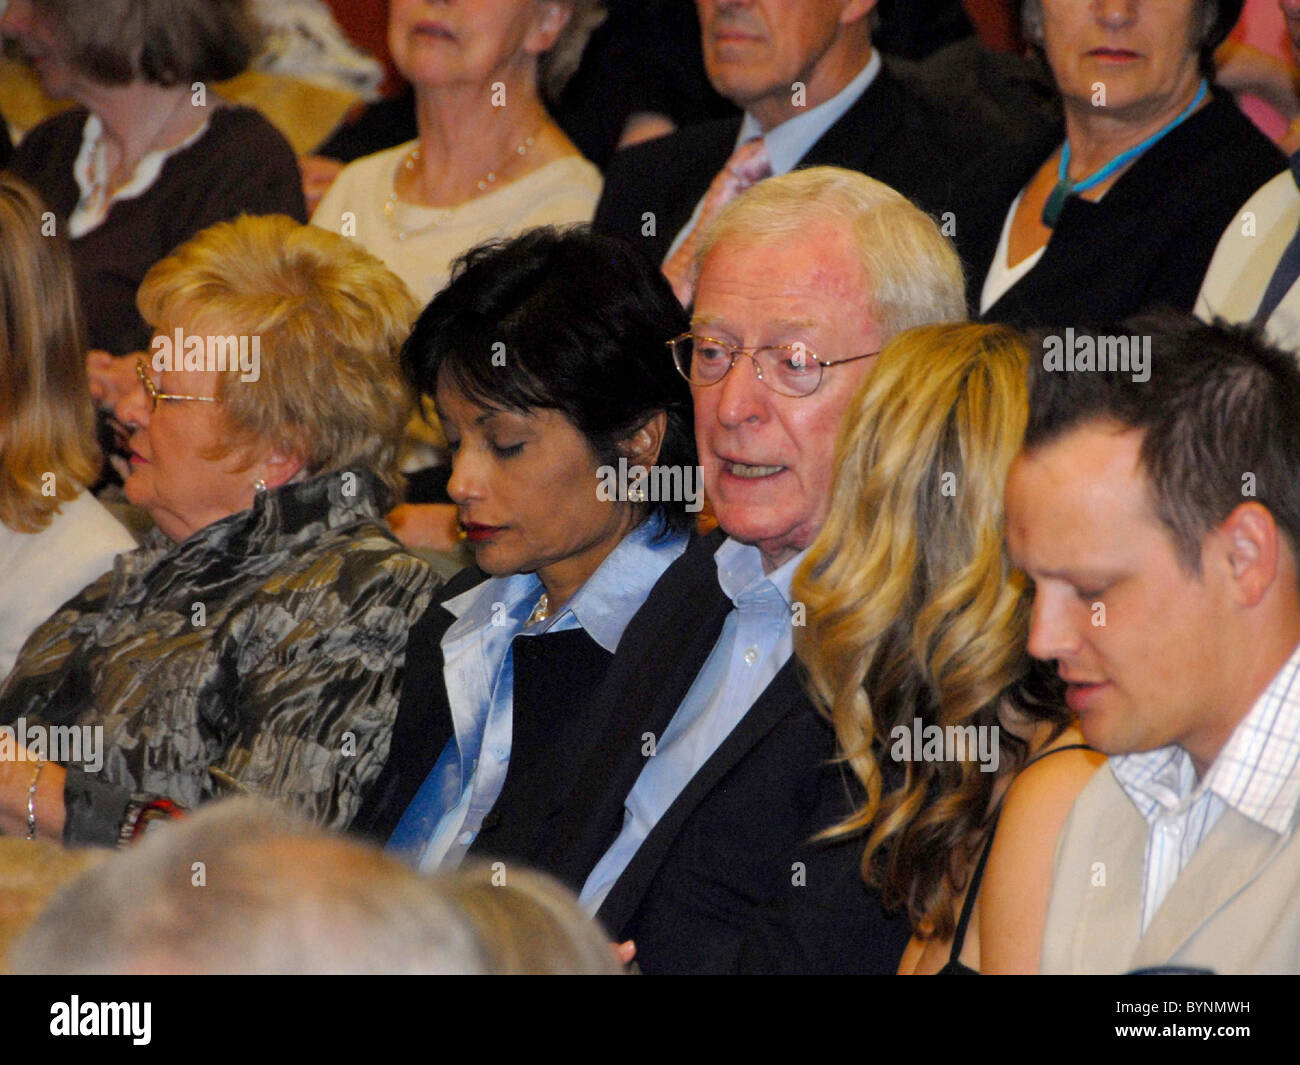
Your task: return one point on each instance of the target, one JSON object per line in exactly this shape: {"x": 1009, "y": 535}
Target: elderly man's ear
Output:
{"x": 641, "y": 447}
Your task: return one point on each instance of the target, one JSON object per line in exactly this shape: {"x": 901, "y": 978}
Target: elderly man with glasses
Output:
{"x": 714, "y": 768}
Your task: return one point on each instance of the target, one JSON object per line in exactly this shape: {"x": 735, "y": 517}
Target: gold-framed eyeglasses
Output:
{"x": 787, "y": 369}
{"x": 151, "y": 390}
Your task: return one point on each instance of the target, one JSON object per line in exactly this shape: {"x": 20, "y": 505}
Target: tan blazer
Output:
{"x": 1234, "y": 909}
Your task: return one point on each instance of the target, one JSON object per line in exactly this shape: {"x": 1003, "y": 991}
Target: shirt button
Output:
{"x": 751, "y": 655}
{"x": 500, "y": 754}
{"x": 466, "y": 837}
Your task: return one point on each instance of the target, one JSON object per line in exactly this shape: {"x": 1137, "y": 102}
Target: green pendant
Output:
{"x": 1056, "y": 203}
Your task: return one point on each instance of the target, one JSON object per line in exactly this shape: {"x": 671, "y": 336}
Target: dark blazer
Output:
{"x": 905, "y": 130}
{"x": 555, "y": 677}
{"x": 725, "y": 853}
{"x": 1148, "y": 242}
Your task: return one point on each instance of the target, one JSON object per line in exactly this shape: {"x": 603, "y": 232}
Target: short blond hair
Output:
{"x": 330, "y": 319}
{"x": 914, "y": 272}
{"x": 527, "y": 923}
{"x": 47, "y": 421}
{"x": 285, "y": 896}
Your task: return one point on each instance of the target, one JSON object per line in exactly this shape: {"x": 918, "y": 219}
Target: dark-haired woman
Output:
{"x": 544, "y": 356}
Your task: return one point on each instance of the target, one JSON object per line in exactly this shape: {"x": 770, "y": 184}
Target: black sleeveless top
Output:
{"x": 953, "y": 967}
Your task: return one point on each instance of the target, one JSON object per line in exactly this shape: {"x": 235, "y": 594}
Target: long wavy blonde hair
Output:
{"x": 913, "y": 608}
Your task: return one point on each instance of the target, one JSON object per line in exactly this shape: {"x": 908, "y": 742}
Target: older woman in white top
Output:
{"x": 489, "y": 160}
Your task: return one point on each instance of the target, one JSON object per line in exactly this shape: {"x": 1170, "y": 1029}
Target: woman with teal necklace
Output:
{"x": 1126, "y": 213}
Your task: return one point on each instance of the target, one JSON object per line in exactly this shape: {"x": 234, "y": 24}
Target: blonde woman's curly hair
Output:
{"x": 913, "y": 608}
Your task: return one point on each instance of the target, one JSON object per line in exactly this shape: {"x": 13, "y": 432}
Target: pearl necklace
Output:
{"x": 484, "y": 183}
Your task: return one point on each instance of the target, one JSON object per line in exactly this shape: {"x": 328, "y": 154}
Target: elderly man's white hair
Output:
{"x": 914, "y": 271}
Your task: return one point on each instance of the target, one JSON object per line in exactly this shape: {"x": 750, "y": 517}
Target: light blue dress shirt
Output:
{"x": 447, "y": 813}
{"x": 793, "y": 139}
{"x": 757, "y": 639}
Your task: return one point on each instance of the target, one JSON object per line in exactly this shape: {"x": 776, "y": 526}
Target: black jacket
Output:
{"x": 710, "y": 889}
{"x": 555, "y": 677}
{"x": 909, "y": 130}
{"x": 1147, "y": 242}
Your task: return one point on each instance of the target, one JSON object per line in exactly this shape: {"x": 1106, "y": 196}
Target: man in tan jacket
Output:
{"x": 1156, "y": 506}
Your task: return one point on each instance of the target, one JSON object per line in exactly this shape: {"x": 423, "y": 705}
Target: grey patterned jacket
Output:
{"x": 268, "y": 646}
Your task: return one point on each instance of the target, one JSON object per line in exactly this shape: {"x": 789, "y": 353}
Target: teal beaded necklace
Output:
{"x": 1066, "y": 188}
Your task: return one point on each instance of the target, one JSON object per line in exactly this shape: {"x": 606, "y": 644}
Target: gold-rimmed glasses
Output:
{"x": 787, "y": 369}
{"x": 151, "y": 390}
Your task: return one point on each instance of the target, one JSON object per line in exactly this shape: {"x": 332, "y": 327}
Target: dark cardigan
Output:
{"x": 1148, "y": 241}
{"x": 241, "y": 165}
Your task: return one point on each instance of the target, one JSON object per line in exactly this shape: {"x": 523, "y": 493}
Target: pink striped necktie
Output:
{"x": 747, "y": 166}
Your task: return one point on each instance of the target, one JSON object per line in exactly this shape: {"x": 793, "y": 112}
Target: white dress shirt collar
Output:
{"x": 1257, "y": 772}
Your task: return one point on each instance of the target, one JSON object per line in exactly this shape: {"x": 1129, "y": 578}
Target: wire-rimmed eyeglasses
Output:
{"x": 787, "y": 369}
{"x": 153, "y": 395}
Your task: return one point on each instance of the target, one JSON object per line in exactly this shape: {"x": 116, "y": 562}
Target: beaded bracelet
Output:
{"x": 31, "y": 799}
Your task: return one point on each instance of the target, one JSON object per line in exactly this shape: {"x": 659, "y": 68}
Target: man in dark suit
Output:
{"x": 688, "y": 830}
{"x": 815, "y": 91}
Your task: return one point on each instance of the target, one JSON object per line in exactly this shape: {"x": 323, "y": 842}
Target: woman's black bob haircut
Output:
{"x": 567, "y": 320}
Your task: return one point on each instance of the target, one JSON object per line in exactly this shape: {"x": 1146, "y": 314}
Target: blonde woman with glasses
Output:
{"x": 916, "y": 628}
{"x": 256, "y": 639}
